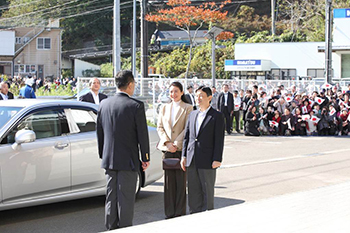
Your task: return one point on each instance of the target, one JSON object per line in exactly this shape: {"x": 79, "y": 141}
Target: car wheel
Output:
{"x": 138, "y": 183}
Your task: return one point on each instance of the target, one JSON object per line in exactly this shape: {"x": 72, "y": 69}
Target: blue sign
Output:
{"x": 341, "y": 13}
{"x": 242, "y": 62}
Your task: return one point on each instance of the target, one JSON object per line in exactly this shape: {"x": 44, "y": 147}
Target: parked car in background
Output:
{"x": 49, "y": 153}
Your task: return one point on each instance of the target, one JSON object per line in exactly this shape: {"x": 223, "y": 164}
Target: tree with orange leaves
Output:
{"x": 185, "y": 16}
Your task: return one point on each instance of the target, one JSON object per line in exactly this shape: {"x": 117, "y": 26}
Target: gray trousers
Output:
{"x": 120, "y": 198}
{"x": 201, "y": 184}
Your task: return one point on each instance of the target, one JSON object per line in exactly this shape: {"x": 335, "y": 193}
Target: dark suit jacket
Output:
{"x": 121, "y": 131}
{"x": 89, "y": 98}
{"x": 208, "y": 145}
{"x": 221, "y": 102}
{"x": 9, "y": 95}
{"x": 189, "y": 101}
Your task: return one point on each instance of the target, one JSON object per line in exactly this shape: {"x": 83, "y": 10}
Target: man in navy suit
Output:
{"x": 121, "y": 135}
{"x": 202, "y": 151}
{"x": 226, "y": 106}
{"x": 93, "y": 96}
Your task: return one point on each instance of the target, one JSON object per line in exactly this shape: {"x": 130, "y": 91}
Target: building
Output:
{"x": 34, "y": 51}
{"x": 179, "y": 38}
{"x": 293, "y": 60}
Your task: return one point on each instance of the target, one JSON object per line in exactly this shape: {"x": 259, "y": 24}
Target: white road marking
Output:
{"x": 281, "y": 159}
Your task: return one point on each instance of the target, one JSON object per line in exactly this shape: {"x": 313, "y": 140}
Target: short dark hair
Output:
{"x": 189, "y": 87}
{"x": 205, "y": 89}
{"x": 123, "y": 78}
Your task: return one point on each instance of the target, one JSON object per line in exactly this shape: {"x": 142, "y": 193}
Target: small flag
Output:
{"x": 315, "y": 119}
{"x": 305, "y": 117}
{"x": 319, "y": 100}
{"x": 304, "y": 110}
{"x": 326, "y": 86}
{"x": 289, "y": 99}
{"x": 273, "y": 123}
{"x": 311, "y": 102}
{"x": 343, "y": 91}
{"x": 332, "y": 112}
{"x": 237, "y": 105}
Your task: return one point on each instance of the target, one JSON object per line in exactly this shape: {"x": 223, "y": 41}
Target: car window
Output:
{"x": 80, "y": 121}
{"x": 6, "y": 113}
{"x": 45, "y": 124}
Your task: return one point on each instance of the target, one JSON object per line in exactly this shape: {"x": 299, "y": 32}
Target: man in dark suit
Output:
{"x": 226, "y": 106}
{"x": 202, "y": 151}
{"x": 4, "y": 91}
{"x": 121, "y": 133}
{"x": 93, "y": 96}
{"x": 190, "y": 97}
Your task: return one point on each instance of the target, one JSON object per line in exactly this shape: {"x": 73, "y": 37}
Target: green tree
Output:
{"x": 185, "y": 16}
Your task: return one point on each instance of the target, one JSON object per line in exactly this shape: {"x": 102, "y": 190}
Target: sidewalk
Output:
{"x": 321, "y": 210}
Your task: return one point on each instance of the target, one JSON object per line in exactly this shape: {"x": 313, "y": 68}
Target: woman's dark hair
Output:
{"x": 179, "y": 85}
{"x": 123, "y": 78}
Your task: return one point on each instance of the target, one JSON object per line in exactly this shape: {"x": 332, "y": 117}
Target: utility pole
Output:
{"x": 273, "y": 26}
{"x": 144, "y": 40}
{"x": 134, "y": 35}
{"x": 328, "y": 47}
{"x": 116, "y": 37}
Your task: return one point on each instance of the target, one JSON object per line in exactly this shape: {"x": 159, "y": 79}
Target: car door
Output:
{"x": 86, "y": 164}
{"x": 36, "y": 169}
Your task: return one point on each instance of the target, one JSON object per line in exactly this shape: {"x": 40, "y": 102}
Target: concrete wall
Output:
{"x": 80, "y": 65}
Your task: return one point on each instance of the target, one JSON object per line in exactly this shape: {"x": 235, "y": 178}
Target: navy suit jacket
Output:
{"x": 221, "y": 102}
{"x": 208, "y": 145}
{"x": 121, "y": 133}
{"x": 89, "y": 98}
{"x": 9, "y": 96}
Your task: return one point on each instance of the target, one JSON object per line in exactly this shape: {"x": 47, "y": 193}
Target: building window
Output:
{"x": 25, "y": 69}
{"x": 22, "y": 40}
{"x": 284, "y": 74}
{"x": 315, "y": 73}
{"x": 43, "y": 43}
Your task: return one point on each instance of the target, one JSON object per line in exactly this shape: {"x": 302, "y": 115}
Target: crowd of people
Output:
{"x": 285, "y": 111}
{"x": 17, "y": 82}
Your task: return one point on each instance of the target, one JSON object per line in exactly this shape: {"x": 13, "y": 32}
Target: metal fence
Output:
{"x": 154, "y": 91}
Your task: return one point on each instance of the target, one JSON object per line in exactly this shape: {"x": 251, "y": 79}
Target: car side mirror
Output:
{"x": 23, "y": 136}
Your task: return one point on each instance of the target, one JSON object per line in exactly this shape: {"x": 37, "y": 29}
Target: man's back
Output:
{"x": 27, "y": 92}
{"x": 121, "y": 128}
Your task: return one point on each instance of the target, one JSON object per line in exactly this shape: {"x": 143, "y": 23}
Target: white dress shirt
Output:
{"x": 174, "y": 110}
{"x": 96, "y": 98}
{"x": 226, "y": 97}
{"x": 200, "y": 119}
{"x": 4, "y": 97}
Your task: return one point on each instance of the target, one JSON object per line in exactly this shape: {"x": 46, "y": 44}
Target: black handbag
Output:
{"x": 171, "y": 164}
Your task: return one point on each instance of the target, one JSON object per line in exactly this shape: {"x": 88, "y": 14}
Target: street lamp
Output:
{"x": 212, "y": 34}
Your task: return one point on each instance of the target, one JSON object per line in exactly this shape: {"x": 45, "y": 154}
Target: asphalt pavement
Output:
{"x": 279, "y": 174}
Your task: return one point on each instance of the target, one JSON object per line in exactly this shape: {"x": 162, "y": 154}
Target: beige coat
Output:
{"x": 166, "y": 132}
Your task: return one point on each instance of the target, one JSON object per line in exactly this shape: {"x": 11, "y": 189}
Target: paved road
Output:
{"x": 254, "y": 168}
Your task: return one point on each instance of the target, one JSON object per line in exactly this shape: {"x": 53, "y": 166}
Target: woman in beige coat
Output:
{"x": 171, "y": 126}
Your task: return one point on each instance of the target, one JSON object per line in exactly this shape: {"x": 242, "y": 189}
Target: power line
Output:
{"x": 70, "y": 16}
{"x": 22, "y": 4}
{"x": 34, "y": 12}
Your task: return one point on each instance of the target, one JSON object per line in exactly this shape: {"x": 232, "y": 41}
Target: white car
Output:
{"x": 48, "y": 153}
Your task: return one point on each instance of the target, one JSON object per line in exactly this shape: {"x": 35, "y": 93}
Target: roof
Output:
{"x": 43, "y": 102}
{"x": 179, "y": 34}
